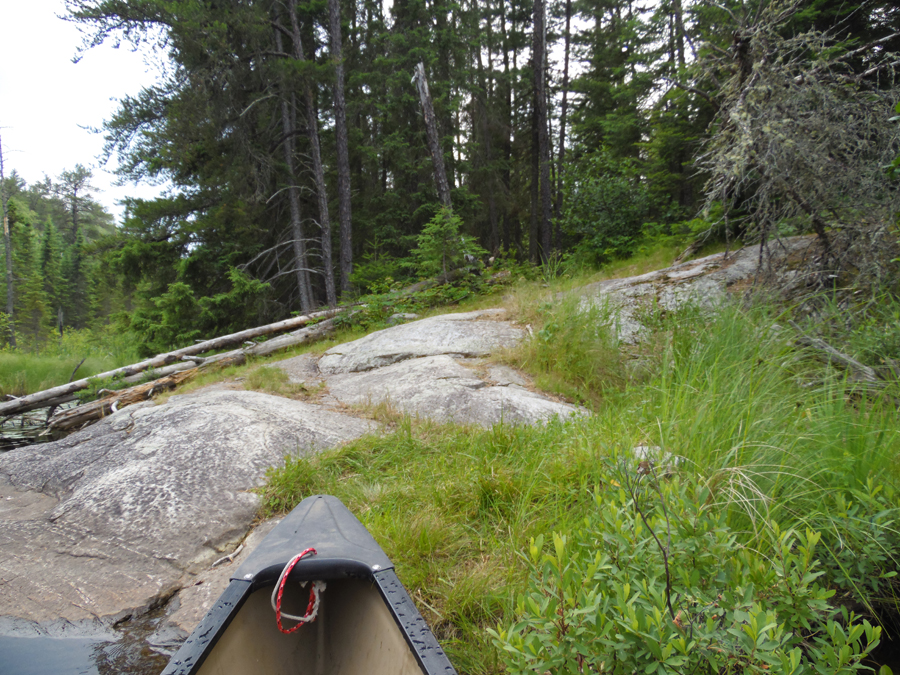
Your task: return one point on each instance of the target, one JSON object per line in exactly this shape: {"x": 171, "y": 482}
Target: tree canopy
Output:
{"x": 276, "y": 119}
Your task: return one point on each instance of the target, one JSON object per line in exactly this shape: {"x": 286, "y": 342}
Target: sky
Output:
{"x": 46, "y": 100}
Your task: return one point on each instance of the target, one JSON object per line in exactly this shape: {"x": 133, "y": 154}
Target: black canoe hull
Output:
{"x": 368, "y": 624}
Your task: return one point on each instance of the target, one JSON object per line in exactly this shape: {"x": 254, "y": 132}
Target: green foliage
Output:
{"x": 576, "y": 352}
{"x": 894, "y": 168}
{"x": 177, "y": 317}
{"x": 23, "y": 371}
{"x": 442, "y": 248}
{"x": 764, "y": 435}
{"x": 172, "y": 320}
{"x": 378, "y": 308}
{"x": 611, "y": 597}
{"x": 606, "y": 205}
{"x": 377, "y": 270}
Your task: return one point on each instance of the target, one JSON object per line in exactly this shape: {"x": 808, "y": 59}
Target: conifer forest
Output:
{"x": 306, "y": 151}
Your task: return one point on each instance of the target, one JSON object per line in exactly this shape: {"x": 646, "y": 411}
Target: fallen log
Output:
{"x": 87, "y": 413}
{"x": 52, "y": 403}
{"x": 861, "y": 371}
{"x": 299, "y": 337}
{"x": 20, "y": 404}
{"x": 91, "y": 412}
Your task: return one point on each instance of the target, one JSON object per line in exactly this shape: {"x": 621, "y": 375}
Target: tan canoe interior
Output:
{"x": 354, "y": 634}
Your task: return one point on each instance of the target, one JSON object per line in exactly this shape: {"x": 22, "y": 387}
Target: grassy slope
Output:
{"x": 775, "y": 436}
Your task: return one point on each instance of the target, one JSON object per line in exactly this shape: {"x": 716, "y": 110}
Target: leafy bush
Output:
{"x": 606, "y": 206}
{"x": 378, "y": 308}
{"x": 655, "y": 582}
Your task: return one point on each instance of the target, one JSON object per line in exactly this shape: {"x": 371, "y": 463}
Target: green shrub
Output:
{"x": 442, "y": 247}
{"x": 606, "y": 205}
{"x": 656, "y": 582}
{"x": 177, "y": 317}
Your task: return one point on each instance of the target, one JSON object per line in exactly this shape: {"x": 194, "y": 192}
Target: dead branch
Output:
{"x": 861, "y": 371}
{"x": 95, "y": 410}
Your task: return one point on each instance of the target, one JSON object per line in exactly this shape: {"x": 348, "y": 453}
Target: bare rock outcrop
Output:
{"x": 704, "y": 282}
{"x": 108, "y": 520}
{"x": 463, "y": 335}
{"x": 442, "y": 389}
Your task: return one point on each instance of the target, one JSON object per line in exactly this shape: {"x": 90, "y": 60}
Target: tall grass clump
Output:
{"x": 574, "y": 350}
{"x": 776, "y": 435}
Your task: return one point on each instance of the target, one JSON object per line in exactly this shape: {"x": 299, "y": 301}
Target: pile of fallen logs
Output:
{"x": 167, "y": 371}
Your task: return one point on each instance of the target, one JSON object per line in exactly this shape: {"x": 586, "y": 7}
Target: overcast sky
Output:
{"x": 45, "y": 99}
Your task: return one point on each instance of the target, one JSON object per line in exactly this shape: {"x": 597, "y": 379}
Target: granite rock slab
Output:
{"x": 110, "y": 519}
{"x": 441, "y": 389}
{"x": 703, "y": 282}
{"x": 469, "y": 334}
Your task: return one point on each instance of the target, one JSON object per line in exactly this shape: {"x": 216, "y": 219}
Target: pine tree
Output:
{"x": 50, "y": 268}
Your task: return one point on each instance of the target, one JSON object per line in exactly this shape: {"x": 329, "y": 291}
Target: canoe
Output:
{"x": 320, "y": 565}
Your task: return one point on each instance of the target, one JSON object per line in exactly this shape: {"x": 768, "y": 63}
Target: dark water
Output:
{"x": 25, "y": 429}
{"x": 85, "y": 648}
{"x": 135, "y": 647}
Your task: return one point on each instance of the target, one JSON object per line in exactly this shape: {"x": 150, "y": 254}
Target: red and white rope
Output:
{"x": 312, "y": 607}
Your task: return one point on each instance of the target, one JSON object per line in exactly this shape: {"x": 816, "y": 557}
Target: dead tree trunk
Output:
{"x": 434, "y": 146}
{"x": 7, "y": 244}
{"x": 312, "y": 129}
{"x": 343, "y": 157}
{"x": 95, "y": 410}
{"x": 298, "y": 241}
{"x": 560, "y": 170}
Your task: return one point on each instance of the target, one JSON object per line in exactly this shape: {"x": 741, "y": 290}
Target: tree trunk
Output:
{"x": 91, "y": 412}
{"x": 7, "y": 243}
{"x": 343, "y": 161}
{"x": 534, "y": 232}
{"x": 562, "y": 117}
{"x": 298, "y": 240}
{"x": 679, "y": 31}
{"x": 543, "y": 140}
{"x": 434, "y": 145}
{"x": 312, "y": 129}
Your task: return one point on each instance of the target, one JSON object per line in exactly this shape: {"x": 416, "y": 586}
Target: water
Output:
{"x": 26, "y": 429}
{"x": 84, "y": 648}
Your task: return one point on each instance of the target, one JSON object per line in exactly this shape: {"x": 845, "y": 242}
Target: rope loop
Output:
{"x": 312, "y": 607}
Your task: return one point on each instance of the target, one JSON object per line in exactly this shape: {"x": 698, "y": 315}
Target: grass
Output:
{"x": 775, "y": 437}
{"x": 30, "y": 369}
{"x": 22, "y": 374}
